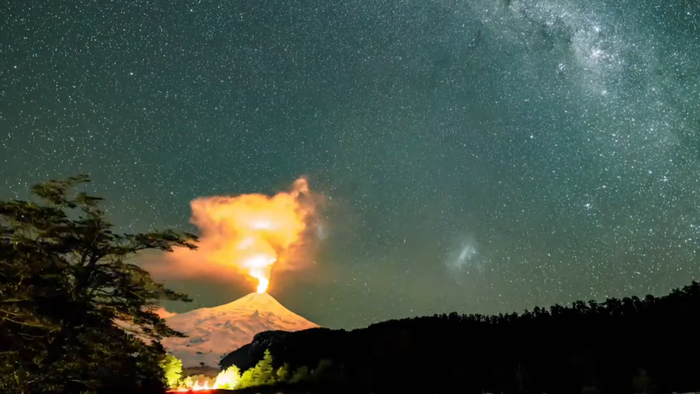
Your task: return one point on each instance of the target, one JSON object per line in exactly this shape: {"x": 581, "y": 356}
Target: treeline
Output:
{"x": 232, "y": 378}
{"x": 76, "y": 315}
{"x": 628, "y": 345}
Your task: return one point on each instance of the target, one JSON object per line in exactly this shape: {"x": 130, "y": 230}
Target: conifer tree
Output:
{"x": 283, "y": 373}
{"x": 172, "y": 367}
{"x": 322, "y": 369}
{"x": 300, "y": 374}
{"x": 247, "y": 379}
{"x": 265, "y": 372}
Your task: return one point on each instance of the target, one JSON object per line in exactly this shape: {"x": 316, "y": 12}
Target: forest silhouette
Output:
{"x": 628, "y": 345}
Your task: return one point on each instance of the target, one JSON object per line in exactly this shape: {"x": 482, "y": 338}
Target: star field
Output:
{"x": 480, "y": 156}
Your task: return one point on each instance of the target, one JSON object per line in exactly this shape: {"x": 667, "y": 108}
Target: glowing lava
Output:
{"x": 248, "y": 233}
{"x": 263, "y": 283}
{"x": 259, "y": 267}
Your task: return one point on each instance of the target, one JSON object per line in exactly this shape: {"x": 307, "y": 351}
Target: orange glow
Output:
{"x": 225, "y": 380}
{"x": 246, "y": 234}
{"x": 197, "y": 387}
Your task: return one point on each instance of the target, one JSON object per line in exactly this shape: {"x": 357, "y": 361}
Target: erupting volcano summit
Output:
{"x": 214, "y": 332}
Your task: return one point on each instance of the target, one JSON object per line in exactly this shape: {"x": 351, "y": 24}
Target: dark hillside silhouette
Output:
{"x": 630, "y": 345}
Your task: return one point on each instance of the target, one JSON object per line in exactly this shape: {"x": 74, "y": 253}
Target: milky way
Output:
{"x": 480, "y": 156}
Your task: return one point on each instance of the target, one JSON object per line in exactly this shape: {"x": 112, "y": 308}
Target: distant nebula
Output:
{"x": 465, "y": 258}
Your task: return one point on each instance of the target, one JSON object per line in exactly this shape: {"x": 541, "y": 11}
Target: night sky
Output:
{"x": 482, "y": 156}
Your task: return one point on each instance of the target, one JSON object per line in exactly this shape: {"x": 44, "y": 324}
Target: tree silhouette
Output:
{"x": 172, "y": 367}
{"x": 283, "y": 373}
{"x": 265, "y": 373}
{"x": 76, "y": 313}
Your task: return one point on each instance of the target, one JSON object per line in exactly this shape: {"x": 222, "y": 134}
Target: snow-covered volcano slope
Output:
{"x": 215, "y": 332}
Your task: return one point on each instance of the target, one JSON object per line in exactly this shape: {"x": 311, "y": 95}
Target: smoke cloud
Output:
{"x": 163, "y": 314}
{"x": 248, "y": 235}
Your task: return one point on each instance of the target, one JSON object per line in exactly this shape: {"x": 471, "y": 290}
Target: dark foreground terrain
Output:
{"x": 630, "y": 345}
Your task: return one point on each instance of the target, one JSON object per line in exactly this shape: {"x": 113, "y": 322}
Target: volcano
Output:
{"x": 215, "y": 332}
